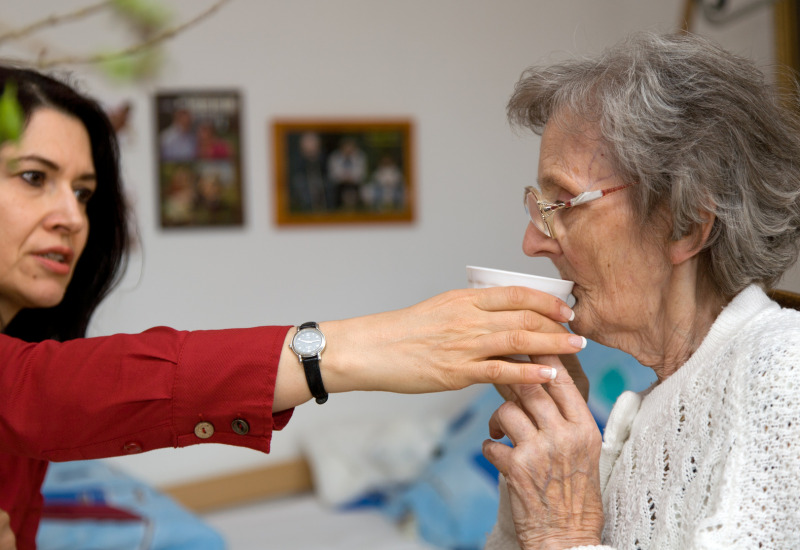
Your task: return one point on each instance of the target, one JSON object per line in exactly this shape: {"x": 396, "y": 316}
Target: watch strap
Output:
{"x": 314, "y": 379}
{"x": 312, "y": 371}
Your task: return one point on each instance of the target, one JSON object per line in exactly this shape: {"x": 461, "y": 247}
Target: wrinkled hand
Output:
{"x": 573, "y": 366}
{"x": 449, "y": 342}
{"x": 552, "y": 471}
{"x": 575, "y": 371}
{"x": 7, "y": 539}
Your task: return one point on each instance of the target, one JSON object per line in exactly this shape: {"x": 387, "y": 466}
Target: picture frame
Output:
{"x": 199, "y": 168}
{"x": 787, "y": 41}
{"x": 343, "y": 171}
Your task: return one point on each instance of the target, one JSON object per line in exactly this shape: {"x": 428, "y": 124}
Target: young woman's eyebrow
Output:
{"x": 88, "y": 176}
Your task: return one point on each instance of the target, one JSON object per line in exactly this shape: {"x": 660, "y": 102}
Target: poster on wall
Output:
{"x": 343, "y": 171}
{"x": 199, "y": 158}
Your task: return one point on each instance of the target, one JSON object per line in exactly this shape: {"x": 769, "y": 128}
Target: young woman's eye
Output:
{"x": 84, "y": 194}
{"x": 34, "y": 177}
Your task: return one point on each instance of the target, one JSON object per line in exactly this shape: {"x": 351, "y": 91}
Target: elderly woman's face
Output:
{"x": 617, "y": 273}
{"x": 46, "y": 179}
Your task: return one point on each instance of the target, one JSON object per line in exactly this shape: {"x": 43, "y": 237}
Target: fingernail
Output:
{"x": 568, "y": 313}
{"x": 577, "y": 341}
{"x": 548, "y": 372}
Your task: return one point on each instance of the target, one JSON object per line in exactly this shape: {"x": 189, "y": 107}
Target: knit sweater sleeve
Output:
{"x": 757, "y": 504}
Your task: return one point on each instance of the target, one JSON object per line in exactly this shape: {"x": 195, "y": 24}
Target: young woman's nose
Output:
{"x": 66, "y": 214}
{"x": 536, "y": 243}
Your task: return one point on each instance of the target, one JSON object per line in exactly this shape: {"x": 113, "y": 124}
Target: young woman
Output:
{"x": 63, "y": 243}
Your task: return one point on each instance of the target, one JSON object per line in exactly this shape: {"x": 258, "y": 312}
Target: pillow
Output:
{"x": 453, "y": 503}
{"x": 354, "y": 462}
{"x": 92, "y": 506}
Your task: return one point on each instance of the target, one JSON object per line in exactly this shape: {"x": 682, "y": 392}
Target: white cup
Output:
{"x": 484, "y": 277}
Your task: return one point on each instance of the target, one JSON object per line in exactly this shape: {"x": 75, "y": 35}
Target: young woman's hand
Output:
{"x": 451, "y": 341}
{"x": 7, "y": 539}
{"x": 447, "y": 342}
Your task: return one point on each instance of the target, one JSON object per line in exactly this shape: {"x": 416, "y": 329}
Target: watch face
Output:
{"x": 308, "y": 342}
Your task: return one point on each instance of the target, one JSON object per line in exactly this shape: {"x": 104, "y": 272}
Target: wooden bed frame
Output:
{"x": 282, "y": 479}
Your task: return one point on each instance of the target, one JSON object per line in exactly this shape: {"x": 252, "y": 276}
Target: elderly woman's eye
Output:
{"x": 560, "y": 196}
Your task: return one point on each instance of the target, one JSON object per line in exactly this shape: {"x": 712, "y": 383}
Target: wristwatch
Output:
{"x": 308, "y": 343}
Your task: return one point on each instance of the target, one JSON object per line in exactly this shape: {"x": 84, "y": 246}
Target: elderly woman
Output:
{"x": 669, "y": 191}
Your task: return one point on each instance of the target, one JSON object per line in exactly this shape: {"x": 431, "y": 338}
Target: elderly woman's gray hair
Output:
{"x": 701, "y": 131}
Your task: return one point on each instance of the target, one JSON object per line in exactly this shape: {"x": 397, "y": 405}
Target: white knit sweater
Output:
{"x": 710, "y": 458}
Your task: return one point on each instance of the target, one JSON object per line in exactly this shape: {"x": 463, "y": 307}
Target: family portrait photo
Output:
{"x": 343, "y": 171}
{"x": 199, "y": 164}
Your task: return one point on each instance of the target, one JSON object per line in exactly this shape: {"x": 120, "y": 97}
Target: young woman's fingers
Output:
{"x": 522, "y": 342}
{"x": 521, "y": 298}
{"x": 501, "y": 371}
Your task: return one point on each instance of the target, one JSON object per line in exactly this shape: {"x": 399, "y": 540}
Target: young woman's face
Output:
{"x": 46, "y": 180}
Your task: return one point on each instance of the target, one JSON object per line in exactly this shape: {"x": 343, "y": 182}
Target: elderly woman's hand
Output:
{"x": 575, "y": 370}
{"x": 7, "y": 539}
{"x": 552, "y": 471}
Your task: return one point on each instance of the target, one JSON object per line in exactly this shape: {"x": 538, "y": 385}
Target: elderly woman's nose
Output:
{"x": 536, "y": 243}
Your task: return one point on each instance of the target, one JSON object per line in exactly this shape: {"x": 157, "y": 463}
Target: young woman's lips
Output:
{"x": 57, "y": 259}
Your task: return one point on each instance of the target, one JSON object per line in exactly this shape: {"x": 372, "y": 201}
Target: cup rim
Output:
{"x": 562, "y": 282}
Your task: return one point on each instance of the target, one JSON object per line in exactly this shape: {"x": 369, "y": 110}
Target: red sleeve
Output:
{"x": 122, "y": 394}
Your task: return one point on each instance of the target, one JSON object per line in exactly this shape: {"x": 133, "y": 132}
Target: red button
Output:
{"x": 132, "y": 447}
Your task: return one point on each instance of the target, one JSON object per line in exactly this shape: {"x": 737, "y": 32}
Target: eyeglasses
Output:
{"x": 541, "y": 212}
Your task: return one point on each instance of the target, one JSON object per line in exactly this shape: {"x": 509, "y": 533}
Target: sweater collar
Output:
{"x": 745, "y": 306}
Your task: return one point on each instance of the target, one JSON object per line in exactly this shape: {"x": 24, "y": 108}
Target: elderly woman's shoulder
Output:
{"x": 785, "y": 319}
{"x": 771, "y": 343}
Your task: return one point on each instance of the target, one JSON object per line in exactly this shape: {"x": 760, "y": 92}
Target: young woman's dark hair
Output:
{"x": 104, "y": 258}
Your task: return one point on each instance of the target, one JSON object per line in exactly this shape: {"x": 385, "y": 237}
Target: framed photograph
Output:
{"x": 199, "y": 159}
{"x": 343, "y": 171}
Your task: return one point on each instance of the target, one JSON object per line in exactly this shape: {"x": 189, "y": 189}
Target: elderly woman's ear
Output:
{"x": 688, "y": 246}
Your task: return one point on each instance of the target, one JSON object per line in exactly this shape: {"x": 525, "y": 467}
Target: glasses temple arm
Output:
{"x": 586, "y": 196}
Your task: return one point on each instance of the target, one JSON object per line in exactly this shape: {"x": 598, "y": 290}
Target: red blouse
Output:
{"x": 125, "y": 394}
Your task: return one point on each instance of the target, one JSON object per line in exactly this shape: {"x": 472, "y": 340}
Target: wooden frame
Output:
{"x": 235, "y": 489}
{"x": 787, "y": 41}
{"x": 198, "y": 147}
{"x": 343, "y": 171}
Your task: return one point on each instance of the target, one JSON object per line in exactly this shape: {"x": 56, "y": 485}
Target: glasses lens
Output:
{"x": 532, "y": 200}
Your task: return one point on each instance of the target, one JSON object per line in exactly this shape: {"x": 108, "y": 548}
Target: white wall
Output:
{"x": 448, "y": 64}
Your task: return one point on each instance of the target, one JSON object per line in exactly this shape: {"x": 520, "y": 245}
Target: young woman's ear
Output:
{"x": 692, "y": 243}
